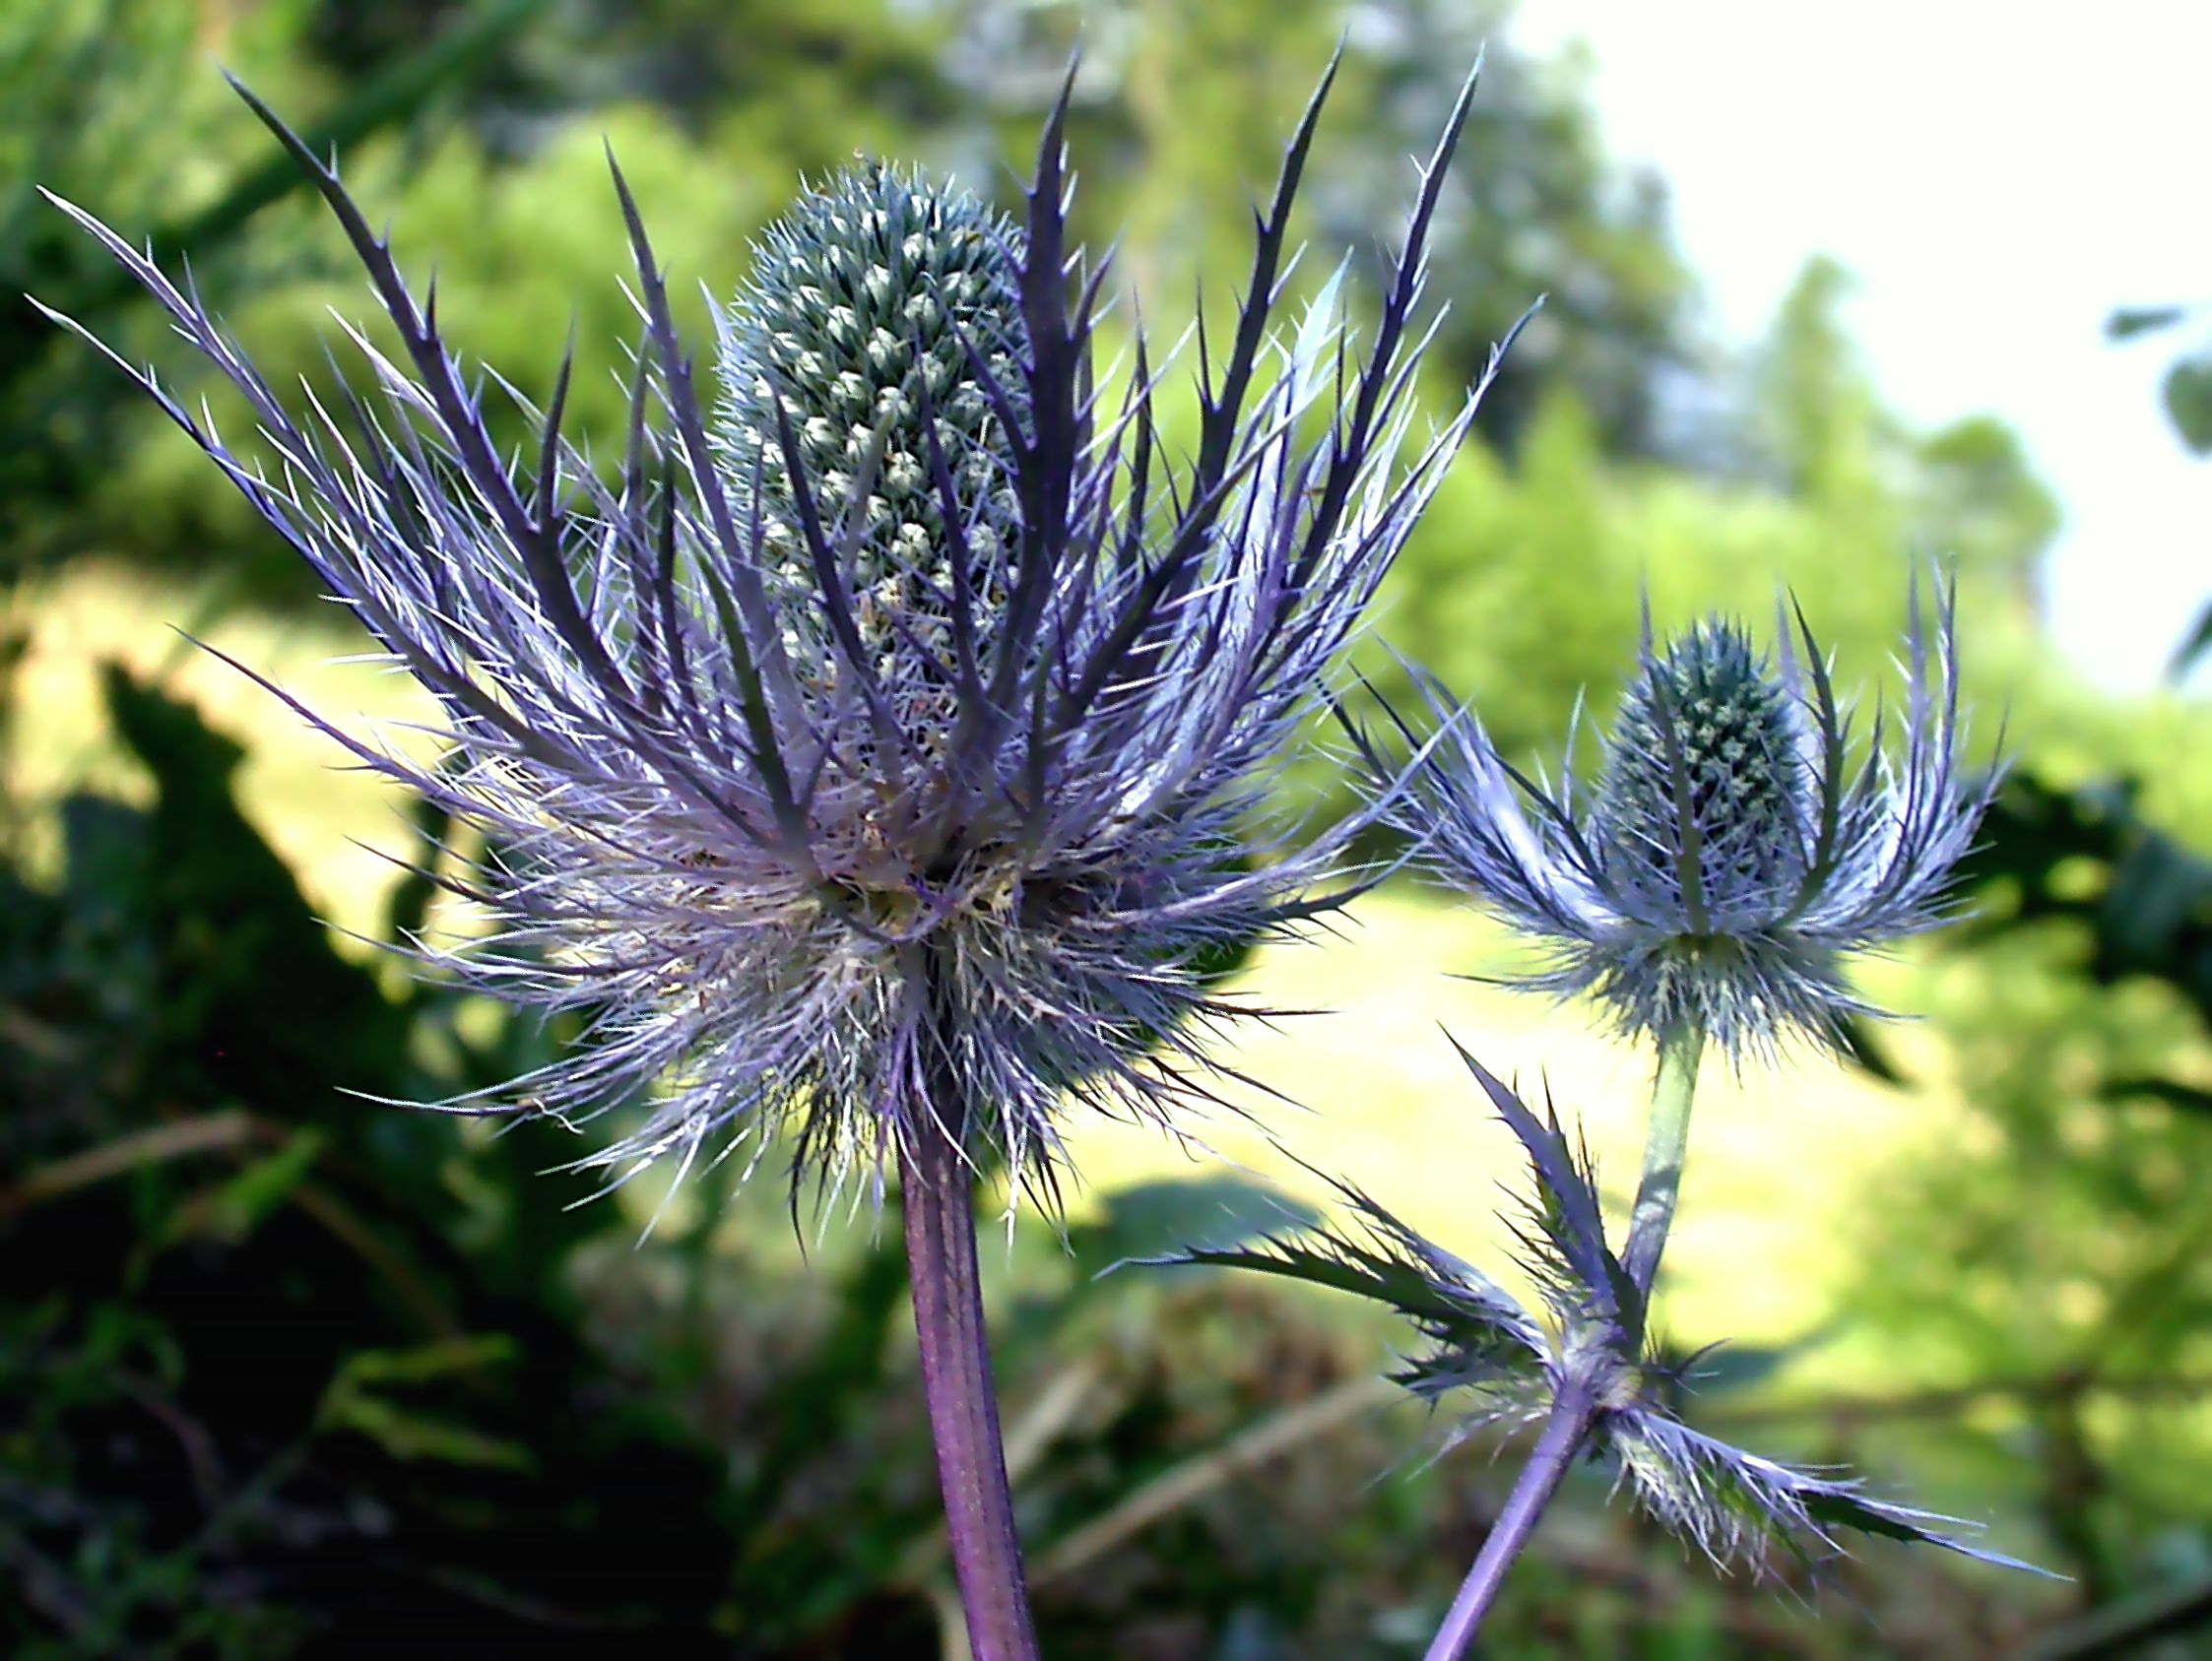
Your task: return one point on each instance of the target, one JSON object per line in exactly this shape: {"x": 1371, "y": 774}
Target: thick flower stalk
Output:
{"x": 873, "y": 755}
{"x": 1733, "y": 855}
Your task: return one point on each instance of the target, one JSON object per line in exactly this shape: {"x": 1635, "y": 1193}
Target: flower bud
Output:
{"x": 1733, "y": 856}
{"x": 1703, "y": 763}
{"x": 864, "y": 303}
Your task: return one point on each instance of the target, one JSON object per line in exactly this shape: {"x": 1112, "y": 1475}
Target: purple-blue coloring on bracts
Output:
{"x": 896, "y": 721}
{"x": 1737, "y": 847}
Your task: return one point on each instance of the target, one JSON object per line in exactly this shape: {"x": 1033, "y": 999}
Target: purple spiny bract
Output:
{"x": 1584, "y": 1349}
{"x": 883, "y": 739}
{"x": 1730, "y": 856}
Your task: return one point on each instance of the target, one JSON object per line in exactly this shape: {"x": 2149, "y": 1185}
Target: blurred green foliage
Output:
{"x": 275, "y": 1343}
{"x": 2187, "y": 395}
{"x": 2058, "y": 1258}
{"x": 282, "y": 1372}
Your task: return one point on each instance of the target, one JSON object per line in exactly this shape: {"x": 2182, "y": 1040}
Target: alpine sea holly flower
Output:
{"x": 874, "y": 754}
{"x": 905, "y": 714}
{"x": 1581, "y": 1366}
{"x": 1732, "y": 856}
{"x": 1727, "y": 859}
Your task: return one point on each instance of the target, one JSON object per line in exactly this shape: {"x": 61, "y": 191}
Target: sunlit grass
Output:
{"x": 1783, "y": 1157}
{"x": 335, "y": 824}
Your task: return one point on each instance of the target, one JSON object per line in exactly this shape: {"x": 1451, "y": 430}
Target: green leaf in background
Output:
{"x": 1723, "y": 1368}
{"x": 2189, "y": 402}
{"x": 2129, "y": 321}
{"x": 1151, "y": 1219}
{"x": 234, "y": 1209}
{"x": 356, "y": 1401}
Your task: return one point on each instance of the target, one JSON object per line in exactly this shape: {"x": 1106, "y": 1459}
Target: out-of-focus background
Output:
{"x": 285, "y": 1372}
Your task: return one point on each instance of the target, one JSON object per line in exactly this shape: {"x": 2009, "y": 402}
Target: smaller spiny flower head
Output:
{"x": 1732, "y": 856}
{"x": 877, "y": 745}
{"x": 854, "y": 334}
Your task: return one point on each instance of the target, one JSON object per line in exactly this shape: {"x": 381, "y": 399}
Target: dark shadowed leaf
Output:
{"x": 2189, "y": 1098}
{"x": 1154, "y": 1219}
{"x": 2192, "y": 646}
{"x": 2150, "y": 910}
{"x": 1867, "y": 1052}
{"x": 1743, "y": 1367}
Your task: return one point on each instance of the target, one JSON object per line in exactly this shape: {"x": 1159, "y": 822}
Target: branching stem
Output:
{"x": 1539, "y": 1480}
{"x": 1665, "y": 1144}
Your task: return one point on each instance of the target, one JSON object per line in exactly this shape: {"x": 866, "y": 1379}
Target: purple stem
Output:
{"x": 1539, "y": 1480}
{"x": 971, "y": 1466}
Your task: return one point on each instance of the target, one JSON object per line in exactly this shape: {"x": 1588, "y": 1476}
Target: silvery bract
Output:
{"x": 1586, "y": 1355}
{"x": 1731, "y": 853}
{"x": 888, "y": 730}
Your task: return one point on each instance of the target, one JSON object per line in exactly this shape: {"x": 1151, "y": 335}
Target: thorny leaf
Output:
{"x": 1734, "y": 1507}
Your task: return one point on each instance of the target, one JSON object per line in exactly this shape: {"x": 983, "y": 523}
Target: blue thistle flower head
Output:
{"x": 873, "y": 745}
{"x": 1733, "y": 855}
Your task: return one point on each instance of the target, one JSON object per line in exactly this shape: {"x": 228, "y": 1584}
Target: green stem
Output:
{"x": 1667, "y": 1142}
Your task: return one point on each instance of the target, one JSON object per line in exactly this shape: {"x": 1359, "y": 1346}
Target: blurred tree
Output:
{"x": 1539, "y": 207}
{"x": 522, "y": 257}
{"x": 806, "y": 85}
{"x": 2053, "y": 1267}
{"x": 1812, "y": 422}
{"x": 1975, "y": 500}
{"x": 1814, "y": 426}
{"x": 1534, "y": 207}
{"x": 1521, "y": 589}
{"x": 721, "y": 108}
{"x": 2056, "y": 1254}
{"x": 110, "y": 105}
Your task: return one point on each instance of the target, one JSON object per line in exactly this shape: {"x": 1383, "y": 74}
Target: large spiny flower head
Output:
{"x": 877, "y": 745}
{"x": 1733, "y": 855}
